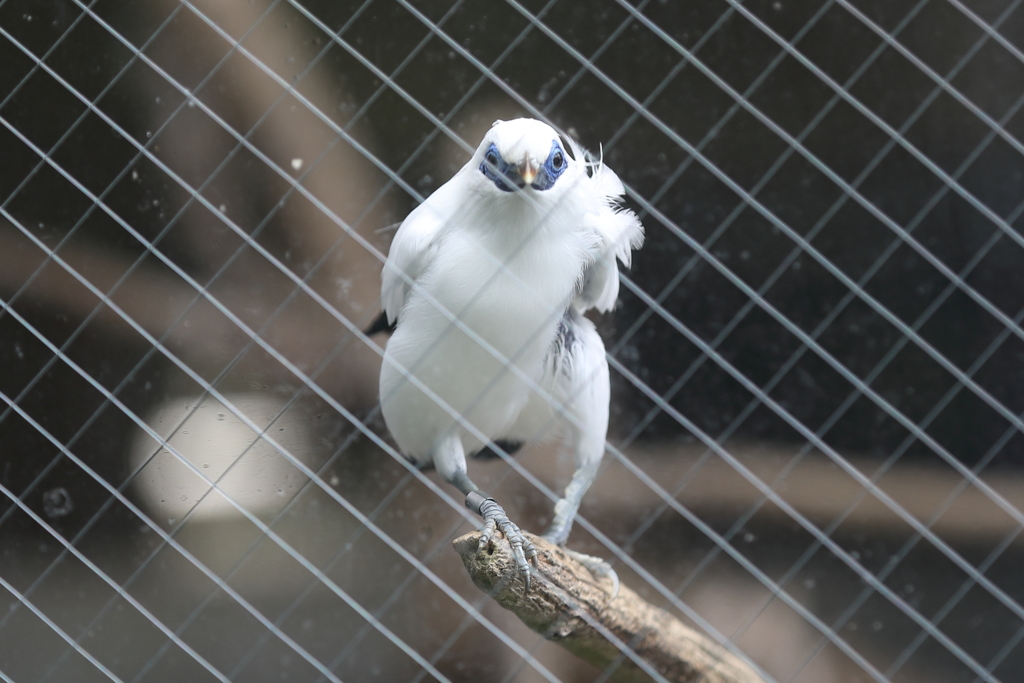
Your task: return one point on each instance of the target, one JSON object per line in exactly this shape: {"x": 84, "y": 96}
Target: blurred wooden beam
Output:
{"x": 931, "y": 491}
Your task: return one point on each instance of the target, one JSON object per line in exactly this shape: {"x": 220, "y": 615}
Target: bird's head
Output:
{"x": 523, "y": 154}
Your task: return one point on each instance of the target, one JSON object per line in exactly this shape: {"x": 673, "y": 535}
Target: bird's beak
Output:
{"x": 527, "y": 170}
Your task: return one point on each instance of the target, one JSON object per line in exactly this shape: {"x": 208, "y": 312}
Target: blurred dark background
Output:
{"x": 198, "y": 196}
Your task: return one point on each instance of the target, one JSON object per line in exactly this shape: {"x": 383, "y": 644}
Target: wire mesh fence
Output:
{"x": 817, "y": 358}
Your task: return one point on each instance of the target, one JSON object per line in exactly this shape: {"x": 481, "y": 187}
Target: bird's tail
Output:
{"x": 379, "y": 325}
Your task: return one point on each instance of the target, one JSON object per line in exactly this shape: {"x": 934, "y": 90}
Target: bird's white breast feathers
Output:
{"x": 505, "y": 266}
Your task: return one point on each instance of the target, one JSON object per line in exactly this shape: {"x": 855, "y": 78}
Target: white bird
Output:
{"x": 486, "y": 283}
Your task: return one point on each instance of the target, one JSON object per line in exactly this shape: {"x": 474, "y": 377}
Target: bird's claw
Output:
{"x": 495, "y": 519}
{"x": 599, "y": 568}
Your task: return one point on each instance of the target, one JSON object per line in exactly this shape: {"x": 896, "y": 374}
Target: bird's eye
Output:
{"x": 492, "y": 158}
{"x": 558, "y": 160}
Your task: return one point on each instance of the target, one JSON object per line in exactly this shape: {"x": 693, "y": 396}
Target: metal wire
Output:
{"x": 862, "y": 386}
{"x": 829, "y": 632}
{"x": 837, "y": 309}
{"x": 581, "y": 521}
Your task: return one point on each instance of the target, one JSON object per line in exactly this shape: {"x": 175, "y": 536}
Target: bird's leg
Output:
{"x": 569, "y": 505}
{"x": 587, "y": 394}
{"x": 565, "y": 512}
{"x": 450, "y": 461}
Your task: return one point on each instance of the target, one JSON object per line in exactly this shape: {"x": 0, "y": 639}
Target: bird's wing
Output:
{"x": 613, "y": 233}
{"x": 412, "y": 250}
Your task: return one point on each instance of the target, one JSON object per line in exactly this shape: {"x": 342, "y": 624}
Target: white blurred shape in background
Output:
{"x": 212, "y": 456}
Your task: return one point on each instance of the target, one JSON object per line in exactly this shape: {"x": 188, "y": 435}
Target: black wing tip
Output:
{"x": 379, "y": 325}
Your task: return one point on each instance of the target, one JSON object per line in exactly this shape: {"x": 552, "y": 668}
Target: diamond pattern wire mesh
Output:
{"x": 815, "y": 453}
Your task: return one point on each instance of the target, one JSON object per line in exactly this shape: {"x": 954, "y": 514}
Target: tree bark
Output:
{"x": 568, "y": 605}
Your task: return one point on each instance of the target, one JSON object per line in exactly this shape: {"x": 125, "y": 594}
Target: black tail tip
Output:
{"x": 379, "y": 325}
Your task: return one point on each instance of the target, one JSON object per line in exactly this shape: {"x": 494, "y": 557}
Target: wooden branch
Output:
{"x": 567, "y": 605}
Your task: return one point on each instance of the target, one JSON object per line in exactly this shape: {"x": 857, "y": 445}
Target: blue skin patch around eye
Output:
{"x": 506, "y": 178}
{"x": 503, "y": 174}
{"x": 553, "y": 167}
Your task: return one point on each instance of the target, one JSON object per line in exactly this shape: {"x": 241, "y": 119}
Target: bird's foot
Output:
{"x": 558, "y": 534}
{"x": 495, "y": 519}
{"x": 598, "y": 567}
